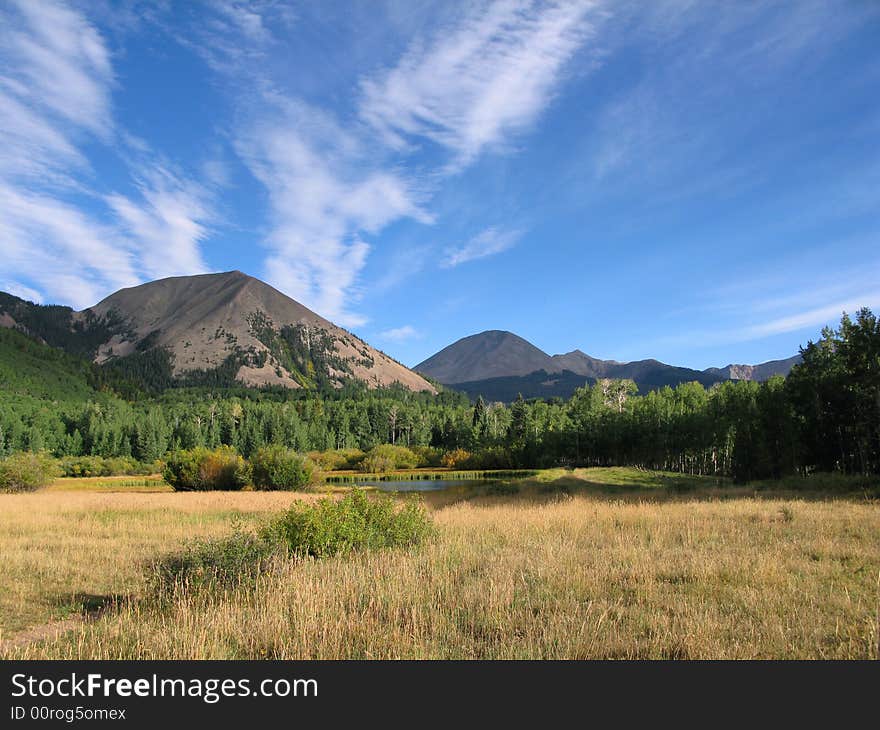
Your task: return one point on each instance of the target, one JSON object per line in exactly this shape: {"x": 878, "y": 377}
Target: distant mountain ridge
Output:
{"x": 497, "y": 363}
{"x": 228, "y": 324}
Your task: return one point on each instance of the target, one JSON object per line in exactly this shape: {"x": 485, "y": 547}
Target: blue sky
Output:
{"x": 693, "y": 181}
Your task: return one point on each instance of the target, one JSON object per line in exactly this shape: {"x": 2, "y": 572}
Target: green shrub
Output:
{"x": 428, "y": 456}
{"x": 356, "y": 522}
{"x": 202, "y": 469}
{"x": 208, "y": 562}
{"x": 337, "y": 459}
{"x": 277, "y": 467}
{"x": 387, "y": 457}
{"x": 26, "y": 471}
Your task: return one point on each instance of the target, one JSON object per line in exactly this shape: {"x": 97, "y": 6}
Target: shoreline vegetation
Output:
{"x": 583, "y": 563}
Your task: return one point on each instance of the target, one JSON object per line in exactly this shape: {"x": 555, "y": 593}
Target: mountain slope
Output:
{"x": 34, "y": 370}
{"x": 227, "y": 322}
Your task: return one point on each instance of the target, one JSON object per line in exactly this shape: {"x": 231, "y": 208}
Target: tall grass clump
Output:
{"x": 277, "y": 467}
{"x": 211, "y": 562}
{"x": 202, "y": 469}
{"x": 26, "y": 471}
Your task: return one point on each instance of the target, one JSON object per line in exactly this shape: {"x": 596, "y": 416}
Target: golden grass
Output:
{"x": 531, "y": 576}
{"x": 63, "y": 549}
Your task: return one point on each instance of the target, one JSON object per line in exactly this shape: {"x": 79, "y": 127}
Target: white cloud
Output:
{"x": 405, "y": 263}
{"x": 62, "y": 64}
{"x": 166, "y": 226}
{"x": 816, "y": 317}
{"x": 487, "y": 243}
{"x": 480, "y": 81}
{"x": 798, "y": 311}
{"x": 71, "y": 257}
{"x": 331, "y": 183}
{"x": 230, "y": 36}
{"x": 55, "y": 230}
{"x": 323, "y": 197}
{"x": 400, "y": 334}
{"x": 21, "y": 291}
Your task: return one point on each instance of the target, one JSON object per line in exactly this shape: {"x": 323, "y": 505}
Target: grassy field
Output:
{"x": 587, "y": 564}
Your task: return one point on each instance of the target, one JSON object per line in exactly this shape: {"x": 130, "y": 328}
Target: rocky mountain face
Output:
{"x": 501, "y": 364}
{"x": 205, "y": 323}
{"x": 761, "y": 372}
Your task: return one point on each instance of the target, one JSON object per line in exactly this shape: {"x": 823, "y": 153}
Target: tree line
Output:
{"x": 825, "y": 416}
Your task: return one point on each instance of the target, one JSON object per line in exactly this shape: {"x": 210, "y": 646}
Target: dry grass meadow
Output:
{"x": 595, "y": 564}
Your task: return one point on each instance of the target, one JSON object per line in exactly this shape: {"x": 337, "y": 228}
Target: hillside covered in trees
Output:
{"x": 825, "y": 416}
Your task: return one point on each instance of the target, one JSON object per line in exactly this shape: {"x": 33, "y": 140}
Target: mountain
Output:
{"x": 211, "y": 328}
{"x": 499, "y": 365}
{"x": 489, "y": 354}
{"x": 761, "y": 372}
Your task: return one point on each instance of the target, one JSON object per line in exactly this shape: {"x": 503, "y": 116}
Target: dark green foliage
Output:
{"x": 276, "y": 467}
{"x": 60, "y": 327}
{"x": 148, "y": 371}
{"x": 355, "y": 522}
{"x": 26, "y": 472}
{"x": 202, "y": 469}
{"x": 836, "y": 396}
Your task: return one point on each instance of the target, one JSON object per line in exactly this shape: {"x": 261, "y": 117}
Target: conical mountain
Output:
{"x": 489, "y": 354}
{"x": 231, "y": 321}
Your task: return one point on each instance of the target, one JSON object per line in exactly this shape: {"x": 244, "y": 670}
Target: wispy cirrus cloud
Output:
{"x": 63, "y": 239}
{"x": 323, "y": 200}
{"x": 59, "y": 62}
{"x": 69, "y": 255}
{"x": 816, "y": 317}
{"x": 55, "y": 93}
{"x": 333, "y": 185}
{"x": 232, "y": 36}
{"x": 755, "y": 307}
{"x": 474, "y": 84}
{"x": 166, "y": 225}
{"x": 655, "y": 129}
{"x": 486, "y": 243}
